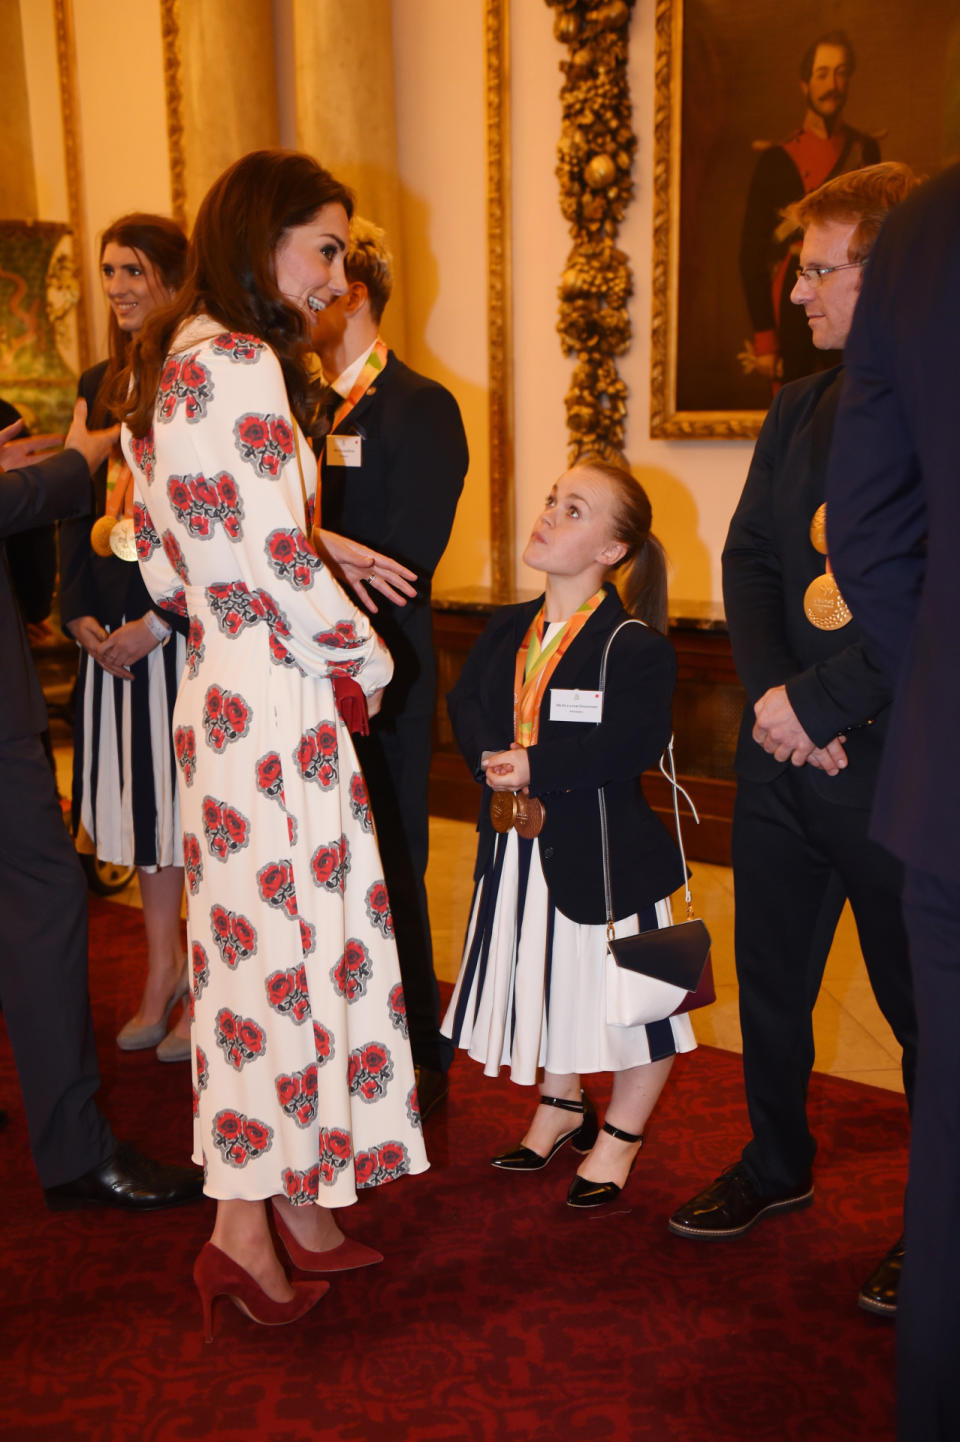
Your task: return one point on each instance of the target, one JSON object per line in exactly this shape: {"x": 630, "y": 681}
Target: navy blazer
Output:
{"x": 894, "y": 513}
{"x": 401, "y": 500}
{"x": 33, "y": 496}
{"x": 831, "y": 677}
{"x": 572, "y": 759}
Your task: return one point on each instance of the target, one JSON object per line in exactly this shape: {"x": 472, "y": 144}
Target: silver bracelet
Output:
{"x": 158, "y": 629}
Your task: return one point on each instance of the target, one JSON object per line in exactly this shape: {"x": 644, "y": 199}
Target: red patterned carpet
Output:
{"x": 498, "y": 1313}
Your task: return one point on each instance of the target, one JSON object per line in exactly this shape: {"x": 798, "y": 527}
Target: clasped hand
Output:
{"x": 507, "y": 770}
{"x": 116, "y": 650}
{"x": 778, "y": 730}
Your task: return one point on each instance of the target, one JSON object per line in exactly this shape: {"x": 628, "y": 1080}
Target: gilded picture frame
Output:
{"x": 727, "y": 91}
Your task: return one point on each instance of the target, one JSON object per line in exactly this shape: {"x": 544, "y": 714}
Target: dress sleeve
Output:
{"x": 245, "y": 444}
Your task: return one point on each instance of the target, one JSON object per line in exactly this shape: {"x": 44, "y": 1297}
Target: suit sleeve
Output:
{"x": 39, "y": 494}
{"x": 477, "y": 727}
{"x": 847, "y": 690}
{"x": 633, "y": 732}
{"x": 427, "y": 465}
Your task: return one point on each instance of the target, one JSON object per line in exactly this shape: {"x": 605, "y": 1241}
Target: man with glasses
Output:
{"x": 808, "y": 753}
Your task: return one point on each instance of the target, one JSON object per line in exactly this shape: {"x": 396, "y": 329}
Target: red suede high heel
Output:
{"x": 218, "y": 1275}
{"x": 343, "y": 1258}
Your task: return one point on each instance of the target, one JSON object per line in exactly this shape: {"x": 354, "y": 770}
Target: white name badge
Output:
{"x": 344, "y": 451}
{"x": 576, "y": 706}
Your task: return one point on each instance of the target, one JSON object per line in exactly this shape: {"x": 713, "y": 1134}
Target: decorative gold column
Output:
{"x": 594, "y": 163}
{"x": 499, "y": 300}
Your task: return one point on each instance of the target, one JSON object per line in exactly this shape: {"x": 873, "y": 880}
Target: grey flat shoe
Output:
{"x": 174, "y": 1048}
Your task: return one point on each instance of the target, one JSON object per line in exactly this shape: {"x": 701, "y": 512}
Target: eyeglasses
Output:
{"x": 816, "y": 274}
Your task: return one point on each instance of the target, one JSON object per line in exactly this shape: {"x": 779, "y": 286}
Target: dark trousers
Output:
{"x": 928, "y": 1312}
{"x": 791, "y": 847}
{"x": 395, "y": 758}
{"x": 43, "y": 973}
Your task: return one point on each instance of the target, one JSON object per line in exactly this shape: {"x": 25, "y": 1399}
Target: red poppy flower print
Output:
{"x": 397, "y": 1010}
{"x": 234, "y": 934}
{"x": 369, "y": 1070}
{"x": 301, "y": 1188}
{"x": 352, "y": 971}
{"x": 195, "y": 648}
{"x": 192, "y": 862}
{"x": 240, "y": 1038}
{"x": 145, "y": 533}
{"x": 185, "y": 750}
{"x": 200, "y": 503}
{"x": 381, "y": 1164}
{"x": 203, "y": 1070}
{"x": 144, "y": 452}
{"x": 335, "y": 1153}
{"x": 292, "y": 558}
{"x": 265, "y": 442}
{"x": 199, "y": 968}
{"x": 330, "y": 865}
{"x": 297, "y": 1095}
{"x": 324, "y": 1044}
{"x": 226, "y": 829}
{"x": 308, "y": 937}
{"x": 413, "y": 1108}
{"x": 377, "y": 903}
{"x": 317, "y": 756}
{"x": 184, "y": 380}
{"x": 237, "y": 347}
{"x": 287, "y": 993}
{"x": 234, "y": 607}
{"x": 360, "y": 801}
{"x": 175, "y": 600}
{"x": 269, "y": 773}
{"x": 240, "y": 1138}
{"x": 226, "y": 717}
{"x": 344, "y": 635}
{"x": 173, "y": 553}
{"x": 276, "y": 888}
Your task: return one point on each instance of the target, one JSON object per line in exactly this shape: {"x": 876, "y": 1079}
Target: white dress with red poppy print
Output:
{"x": 302, "y": 1075}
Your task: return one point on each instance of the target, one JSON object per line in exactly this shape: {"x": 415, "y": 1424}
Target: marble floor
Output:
{"x": 852, "y": 1038}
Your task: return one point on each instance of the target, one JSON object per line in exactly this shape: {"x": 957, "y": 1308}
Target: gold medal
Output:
{"x": 823, "y": 605}
{"x": 503, "y": 810}
{"x": 123, "y": 539}
{"x": 818, "y": 529}
{"x": 530, "y": 816}
{"x": 100, "y": 534}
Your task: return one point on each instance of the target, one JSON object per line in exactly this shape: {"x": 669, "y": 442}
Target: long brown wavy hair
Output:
{"x": 231, "y": 276}
{"x": 159, "y": 240}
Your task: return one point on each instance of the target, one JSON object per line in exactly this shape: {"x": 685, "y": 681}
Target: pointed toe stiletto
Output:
{"x": 582, "y": 1138}
{"x": 217, "y": 1275}
{"x": 584, "y": 1193}
{"x": 345, "y": 1257}
{"x": 141, "y": 1038}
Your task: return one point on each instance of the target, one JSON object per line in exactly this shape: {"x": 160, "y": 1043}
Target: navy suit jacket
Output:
{"x": 33, "y": 496}
{"x": 832, "y": 681}
{"x": 572, "y": 759}
{"x": 401, "y": 500}
{"x": 894, "y": 513}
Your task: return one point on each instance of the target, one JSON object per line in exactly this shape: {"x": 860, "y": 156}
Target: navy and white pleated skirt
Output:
{"x": 532, "y": 988}
{"x": 124, "y": 770}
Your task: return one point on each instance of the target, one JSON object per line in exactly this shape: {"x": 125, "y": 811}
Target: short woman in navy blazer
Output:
{"x": 532, "y": 989}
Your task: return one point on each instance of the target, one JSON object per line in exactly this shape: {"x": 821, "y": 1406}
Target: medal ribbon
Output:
{"x": 536, "y": 663}
{"x": 119, "y": 488}
{"x": 372, "y": 367}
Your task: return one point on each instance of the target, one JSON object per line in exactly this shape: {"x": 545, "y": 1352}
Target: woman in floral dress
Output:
{"x": 303, "y": 1082}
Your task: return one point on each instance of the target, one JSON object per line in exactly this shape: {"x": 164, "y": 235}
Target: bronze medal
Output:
{"x": 823, "y": 605}
{"x": 100, "y": 535}
{"x": 503, "y": 810}
{"x": 530, "y": 816}
{"x": 123, "y": 539}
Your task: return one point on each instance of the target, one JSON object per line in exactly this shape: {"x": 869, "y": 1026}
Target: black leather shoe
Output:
{"x": 128, "y": 1180}
{"x": 581, "y": 1138}
{"x": 731, "y": 1205}
{"x": 584, "y": 1193}
{"x": 879, "y": 1292}
{"x": 432, "y": 1088}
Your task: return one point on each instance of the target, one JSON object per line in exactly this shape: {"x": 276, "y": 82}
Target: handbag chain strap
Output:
{"x": 676, "y": 788}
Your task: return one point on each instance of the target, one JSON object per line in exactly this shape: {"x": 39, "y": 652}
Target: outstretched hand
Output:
{"x": 361, "y": 567}
{"x": 27, "y": 450}
{"x": 94, "y": 446}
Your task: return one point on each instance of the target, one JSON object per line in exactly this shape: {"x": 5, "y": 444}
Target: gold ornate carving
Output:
{"x": 499, "y": 293}
{"x": 69, "y": 119}
{"x": 666, "y": 421}
{"x": 594, "y": 165}
{"x": 173, "y": 90}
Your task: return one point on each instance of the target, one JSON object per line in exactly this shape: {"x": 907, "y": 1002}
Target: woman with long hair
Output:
{"x": 132, "y": 653}
{"x": 303, "y": 1082}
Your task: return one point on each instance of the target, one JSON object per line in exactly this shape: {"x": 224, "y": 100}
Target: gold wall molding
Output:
{"x": 499, "y": 298}
{"x": 173, "y": 92}
{"x": 594, "y": 168}
{"x": 70, "y": 123}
